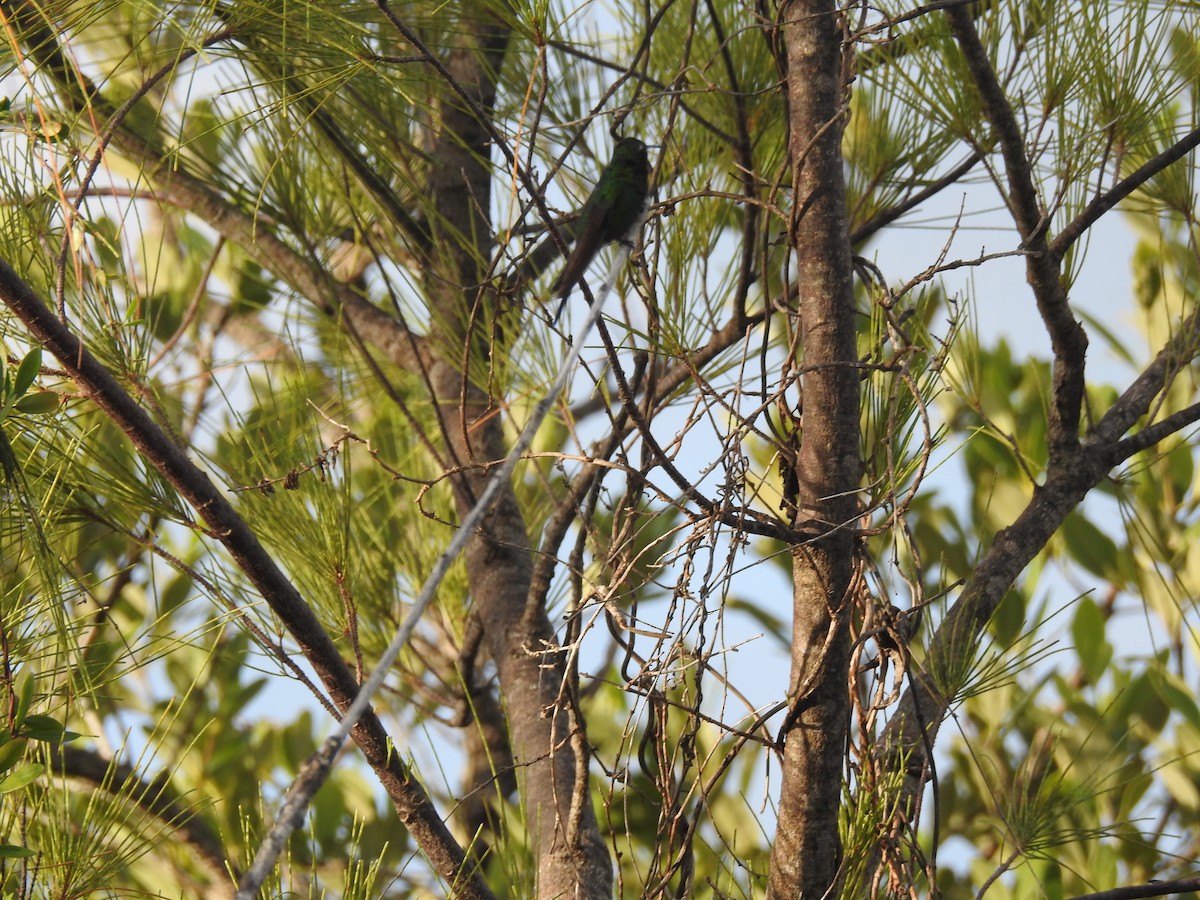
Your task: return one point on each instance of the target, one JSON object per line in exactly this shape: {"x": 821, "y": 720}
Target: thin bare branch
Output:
{"x": 227, "y": 526}
{"x": 1114, "y": 195}
{"x": 1067, "y": 336}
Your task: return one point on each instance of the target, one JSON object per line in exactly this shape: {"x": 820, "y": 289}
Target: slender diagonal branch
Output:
{"x": 1067, "y": 337}
{"x": 887, "y": 216}
{"x": 1135, "y": 401}
{"x": 1110, "y": 198}
{"x": 950, "y": 653}
{"x": 155, "y": 797}
{"x": 223, "y": 521}
{"x": 1138, "y": 891}
{"x": 1152, "y": 434}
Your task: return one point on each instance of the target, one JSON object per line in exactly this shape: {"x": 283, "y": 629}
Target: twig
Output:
{"x": 315, "y": 770}
{"x": 1106, "y": 201}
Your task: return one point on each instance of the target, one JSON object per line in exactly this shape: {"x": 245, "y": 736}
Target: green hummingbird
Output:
{"x": 611, "y": 212}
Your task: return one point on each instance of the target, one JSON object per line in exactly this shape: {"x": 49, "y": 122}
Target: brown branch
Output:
{"x": 887, "y": 216}
{"x": 818, "y": 61}
{"x": 642, "y": 78}
{"x": 1153, "y": 889}
{"x": 743, "y": 158}
{"x": 913, "y": 730}
{"x": 749, "y": 520}
{"x": 408, "y": 797}
{"x": 156, "y": 798}
{"x": 1067, "y": 337}
{"x": 915, "y": 13}
{"x": 1135, "y": 401}
{"x": 372, "y": 181}
{"x": 548, "y": 747}
{"x": 1110, "y": 198}
{"x": 1152, "y": 434}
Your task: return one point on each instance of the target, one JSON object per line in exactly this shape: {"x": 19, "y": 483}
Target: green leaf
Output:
{"x": 1008, "y": 620}
{"x": 45, "y": 728}
{"x": 1089, "y": 546}
{"x": 1143, "y": 700}
{"x": 38, "y": 404}
{"x": 24, "y": 690}
{"x": 1180, "y": 468}
{"x": 11, "y": 753}
{"x": 11, "y": 851}
{"x": 8, "y": 460}
{"x": 1050, "y": 879}
{"x": 1178, "y": 697}
{"x": 771, "y": 624}
{"x": 1087, "y": 630}
{"x": 27, "y": 371}
{"x": 23, "y": 776}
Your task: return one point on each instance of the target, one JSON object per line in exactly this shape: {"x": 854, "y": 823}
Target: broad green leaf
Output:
{"x": 1089, "y": 546}
{"x": 27, "y": 371}
{"x": 38, "y": 404}
{"x": 25, "y": 687}
{"x": 1087, "y": 631}
{"x": 1179, "y": 698}
{"x": 1008, "y": 620}
{"x": 11, "y": 752}
{"x": 46, "y": 728}
{"x": 23, "y": 776}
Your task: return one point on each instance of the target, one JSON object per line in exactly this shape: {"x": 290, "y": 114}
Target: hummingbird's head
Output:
{"x": 630, "y": 151}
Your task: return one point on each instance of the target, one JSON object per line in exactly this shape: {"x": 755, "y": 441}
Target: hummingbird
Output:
{"x": 610, "y": 213}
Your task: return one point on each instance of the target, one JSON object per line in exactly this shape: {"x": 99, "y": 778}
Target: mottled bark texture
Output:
{"x": 1075, "y": 465}
{"x": 807, "y": 854}
{"x": 548, "y": 749}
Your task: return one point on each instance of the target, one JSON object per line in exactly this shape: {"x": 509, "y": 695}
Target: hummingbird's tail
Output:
{"x": 562, "y": 288}
{"x": 561, "y": 306}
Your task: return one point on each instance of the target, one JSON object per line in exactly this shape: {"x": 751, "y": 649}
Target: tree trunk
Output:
{"x": 549, "y": 749}
{"x": 807, "y": 851}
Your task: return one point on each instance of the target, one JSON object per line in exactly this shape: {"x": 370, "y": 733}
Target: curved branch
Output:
{"x": 950, "y": 652}
{"x": 1110, "y": 198}
{"x": 225, "y": 524}
{"x": 1137, "y": 891}
{"x": 1067, "y": 336}
{"x": 1136, "y": 400}
{"x": 887, "y": 216}
{"x": 1152, "y": 434}
{"x": 743, "y": 157}
{"x": 156, "y": 798}
{"x": 747, "y": 520}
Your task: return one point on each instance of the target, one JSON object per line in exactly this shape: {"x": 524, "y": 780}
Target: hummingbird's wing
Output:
{"x": 587, "y": 244}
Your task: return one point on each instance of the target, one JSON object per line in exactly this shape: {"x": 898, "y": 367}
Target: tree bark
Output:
{"x": 550, "y": 753}
{"x": 807, "y": 853}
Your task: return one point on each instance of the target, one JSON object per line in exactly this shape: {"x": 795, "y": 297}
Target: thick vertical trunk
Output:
{"x": 549, "y": 750}
{"x": 807, "y": 852}
{"x": 548, "y": 745}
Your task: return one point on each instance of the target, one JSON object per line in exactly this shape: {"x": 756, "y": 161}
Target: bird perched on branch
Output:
{"x": 611, "y": 212}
